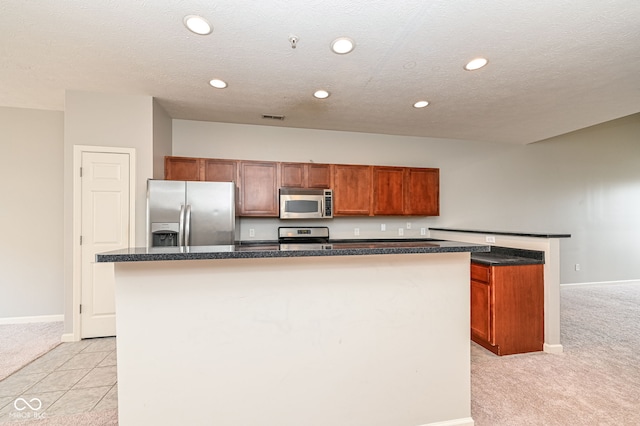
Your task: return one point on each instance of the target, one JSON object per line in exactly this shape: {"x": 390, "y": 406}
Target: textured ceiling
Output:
{"x": 554, "y": 65}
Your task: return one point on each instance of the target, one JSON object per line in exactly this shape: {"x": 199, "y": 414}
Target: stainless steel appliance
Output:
{"x": 308, "y": 238}
{"x": 298, "y": 203}
{"x": 182, "y": 213}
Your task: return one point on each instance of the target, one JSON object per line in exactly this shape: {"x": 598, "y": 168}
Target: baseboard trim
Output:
{"x": 552, "y": 349}
{"x": 465, "y": 421}
{"x": 27, "y": 320}
{"x": 600, "y": 283}
{"x": 68, "y": 337}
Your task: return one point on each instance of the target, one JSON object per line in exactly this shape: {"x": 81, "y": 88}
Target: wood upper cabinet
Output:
{"x": 352, "y": 190}
{"x": 182, "y": 168}
{"x": 422, "y": 192}
{"x": 258, "y": 188}
{"x": 406, "y": 191}
{"x": 359, "y": 190}
{"x": 220, "y": 170}
{"x": 305, "y": 175}
{"x": 388, "y": 190}
{"x": 507, "y": 308}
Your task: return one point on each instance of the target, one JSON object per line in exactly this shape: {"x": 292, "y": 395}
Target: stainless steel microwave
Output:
{"x": 299, "y": 203}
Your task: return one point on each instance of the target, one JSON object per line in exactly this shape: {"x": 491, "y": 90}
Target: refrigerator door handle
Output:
{"x": 181, "y": 226}
{"x": 187, "y": 226}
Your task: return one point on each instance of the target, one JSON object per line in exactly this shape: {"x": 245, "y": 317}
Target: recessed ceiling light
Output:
{"x": 197, "y": 24}
{"x": 342, "y": 45}
{"x": 475, "y": 64}
{"x": 321, "y": 94}
{"x": 218, "y": 84}
{"x": 421, "y": 104}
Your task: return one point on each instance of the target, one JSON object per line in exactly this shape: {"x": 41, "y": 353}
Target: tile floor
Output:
{"x": 72, "y": 378}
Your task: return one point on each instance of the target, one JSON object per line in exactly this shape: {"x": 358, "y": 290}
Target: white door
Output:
{"x": 105, "y": 226}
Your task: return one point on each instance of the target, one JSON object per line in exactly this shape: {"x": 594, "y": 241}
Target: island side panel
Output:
{"x": 375, "y": 340}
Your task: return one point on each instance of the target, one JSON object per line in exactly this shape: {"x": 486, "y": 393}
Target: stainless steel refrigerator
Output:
{"x": 184, "y": 213}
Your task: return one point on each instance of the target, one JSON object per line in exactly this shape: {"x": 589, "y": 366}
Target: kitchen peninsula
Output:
{"x": 546, "y": 242}
{"x": 353, "y": 333}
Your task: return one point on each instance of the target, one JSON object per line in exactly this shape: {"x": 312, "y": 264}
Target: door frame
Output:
{"x": 78, "y": 150}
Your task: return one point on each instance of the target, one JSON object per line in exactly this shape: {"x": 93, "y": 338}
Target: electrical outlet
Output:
{"x": 252, "y": 232}
{"x": 490, "y": 239}
{"x": 400, "y": 232}
{"x": 577, "y": 266}
{"x": 408, "y": 225}
{"x": 356, "y": 231}
{"x": 423, "y": 231}
{"x": 383, "y": 227}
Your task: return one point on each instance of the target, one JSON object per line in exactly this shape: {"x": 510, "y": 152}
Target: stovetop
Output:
{"x": 303, "y": 235}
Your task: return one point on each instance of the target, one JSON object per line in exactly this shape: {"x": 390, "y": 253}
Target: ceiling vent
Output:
{"x": 273, "y": 117}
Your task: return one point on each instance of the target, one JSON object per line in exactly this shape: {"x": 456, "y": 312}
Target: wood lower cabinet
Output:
{"x": 507, "y": 308}
{"x": 351, "y": 190}
{"x": 258, "y": 189}
{"x": 305, "y": 175}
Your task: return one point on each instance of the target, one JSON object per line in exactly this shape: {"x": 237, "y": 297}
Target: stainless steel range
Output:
{"x": 304, "y": 238}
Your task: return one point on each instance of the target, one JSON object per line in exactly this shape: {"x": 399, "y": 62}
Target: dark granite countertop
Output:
{"x": 506, "y": 256}
{"x": 269, "y": 249}
{"x": 515, "y": 234}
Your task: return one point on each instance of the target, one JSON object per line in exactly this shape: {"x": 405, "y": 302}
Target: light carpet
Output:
{"x": 596, "y": 381}
{"x": 22, "y": 343}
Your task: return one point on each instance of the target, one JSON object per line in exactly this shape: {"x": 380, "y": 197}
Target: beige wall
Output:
{"x": 110, "y": 120}
{"x": 585, "y": 183}
{"x": 161, "y": 139}
{"x": 31, "y": 212}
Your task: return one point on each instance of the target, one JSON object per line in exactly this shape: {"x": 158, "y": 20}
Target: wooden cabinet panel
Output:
{"x": 258, "y": 188}
{"x": 182, "y": 168}
{"x": 352, "y": 190}
{"x": 388, "y": 193}
{"x": 220, "y": 170}
{"x": 359, "y": 190}
{"x": 422, "y": 192}
{"x": 319, "y": 176}
{"x": 305, "y": 175}
{"x": 292, "y": 175}
{"x": 507, "y": 308}
{"x": 481, "y": 311}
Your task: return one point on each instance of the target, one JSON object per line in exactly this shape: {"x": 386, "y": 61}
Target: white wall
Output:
{"x": 586, "y": 183}
{"x": 31, "y": 212}
{"x": 112, "y": 120}
{"x": 161, "y": 139}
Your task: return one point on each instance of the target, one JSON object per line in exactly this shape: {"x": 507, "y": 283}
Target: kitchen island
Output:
{"x": 349, "y": 334}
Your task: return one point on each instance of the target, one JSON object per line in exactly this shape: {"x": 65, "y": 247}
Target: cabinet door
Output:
{"x": 220, "y": 170}
{"x": 422, "y": 192}
{"x": 182, "y": 168}
{"x": 388, "y": 193}
{"x": 319, "y": 176}
{"x": 352, "y": 190}
{"x": 258, "y": 189}
{"x": 293, "y": 175}
{"x": 305, "y": 175}
{"x": 481, "y": 311}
